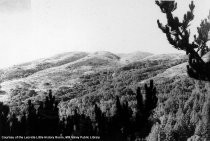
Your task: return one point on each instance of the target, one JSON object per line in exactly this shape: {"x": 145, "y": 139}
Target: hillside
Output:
{"x": 78, "y": 74}
{"x": 60, "y": 70}
{"x": 79, "y": 80}
{"x": 133, "y": 57}
{"x": 68, "y": 70}
{"x": 29, "y": 68}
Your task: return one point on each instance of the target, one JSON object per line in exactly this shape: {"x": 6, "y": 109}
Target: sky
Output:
{"x": 33, "y": 29}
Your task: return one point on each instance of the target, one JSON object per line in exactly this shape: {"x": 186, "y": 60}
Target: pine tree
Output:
{"x": 117, "y": 120}
{"x": 126, "y": 120}
{"x": 50, "y": 115}
{"x": 31, "y": 119}
{"x": 151, "y": 98}
{"x": 23, "y": 124}
{"x": 178, "y": 35}
{"x": 4, "y": 122}
{"x": 14, "y": 128}
{"x": 139, "y": 98}
{"x": 98, "y": 119}
{"x": 145, "y": 109}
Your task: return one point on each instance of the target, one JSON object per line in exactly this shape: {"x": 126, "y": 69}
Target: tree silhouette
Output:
{"x": 126, "y": 117}
{"x": 4, "y": 122}
{"x": 44, "y": 120}
{"x": 178, "y": 35}
{"x": 145, "y": 109}
{"x": 122, "y": 119}
{"x": 14, "y": 129}
{"x": 31, "y": 119}
{"x": 23, "y": 124}
{"x": 49, "y": 115}
{"x": 98, "y": 119}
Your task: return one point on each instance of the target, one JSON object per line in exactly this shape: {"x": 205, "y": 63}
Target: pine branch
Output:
{"x": 178, "y": 35}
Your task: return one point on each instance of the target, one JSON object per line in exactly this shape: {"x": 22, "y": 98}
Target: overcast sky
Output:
{"x": 32, "y": 29}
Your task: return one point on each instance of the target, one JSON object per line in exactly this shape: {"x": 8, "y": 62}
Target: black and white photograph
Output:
{"x": 105, "y": 70}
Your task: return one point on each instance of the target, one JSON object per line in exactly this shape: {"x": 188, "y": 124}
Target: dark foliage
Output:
{"x": 145, "y": 109}
{"x": 178, "y": 35}
{"x": 45, "y": 120}
{"x": 198, "y": 66}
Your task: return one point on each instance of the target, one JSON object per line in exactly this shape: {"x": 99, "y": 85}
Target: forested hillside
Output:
{"x": 73, "y": 75}
{"x": 83, "y": 83}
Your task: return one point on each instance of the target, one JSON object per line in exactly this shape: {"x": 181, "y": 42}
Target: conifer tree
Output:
{"x": 139, "y": 99}
{"x": 31, "y": 119}
{"x": 178, "y": 35}
{"x": 50, "y": 115}
{"x": 98, "y": 119}
{"x": 126, "y": 120}
{"x": 151, "y": 98}
{"x": 4, "y": 122}
{"x": 145, "y": 109}
{"x": 14, "y": 127}
{"x": 23, "y": 124}
{"x": 117, "y": 120}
